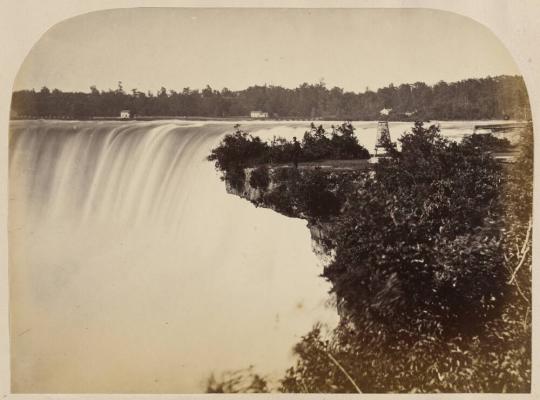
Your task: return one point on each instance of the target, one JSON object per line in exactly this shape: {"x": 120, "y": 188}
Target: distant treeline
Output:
{"x": 501, "y": 97}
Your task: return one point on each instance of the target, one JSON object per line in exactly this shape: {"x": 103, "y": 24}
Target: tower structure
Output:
{"x": 383, "y": 135}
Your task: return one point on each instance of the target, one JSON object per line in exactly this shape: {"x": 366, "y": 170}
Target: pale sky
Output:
{"x": 147, "y": 48}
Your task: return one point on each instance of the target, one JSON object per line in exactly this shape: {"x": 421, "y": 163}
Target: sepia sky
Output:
{"x": 147, "y": 48}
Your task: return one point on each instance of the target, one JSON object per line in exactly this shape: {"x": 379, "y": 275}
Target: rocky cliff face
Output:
{"x": 317, "y": 195}
{"x": 248, "y": 192}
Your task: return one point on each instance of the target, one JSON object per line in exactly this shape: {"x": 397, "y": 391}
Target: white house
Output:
{"x": 125, "y": 114}
{"x": 259, "y": 114}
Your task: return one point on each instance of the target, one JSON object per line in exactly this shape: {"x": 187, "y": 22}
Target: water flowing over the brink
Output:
{"x": 132, "y": 269}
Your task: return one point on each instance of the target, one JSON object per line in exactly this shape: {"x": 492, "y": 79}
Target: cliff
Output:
{"x": 314, "y": 193}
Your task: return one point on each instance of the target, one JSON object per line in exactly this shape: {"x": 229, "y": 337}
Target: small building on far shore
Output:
{"x": 125, "y": 114}
{"x": 259, "y": 114}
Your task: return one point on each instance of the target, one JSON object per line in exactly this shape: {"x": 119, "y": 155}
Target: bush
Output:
{"x": 259, "y": 178}
{"x": 315, "y": 195}
{"x": 285, "y": 175}
{"x": 497, "y": 361}
{"x": 343, "y": 144}
{"x": 315, "y": 145}
{"x": 280, "y": 200}
{"x": 239, "y": 150}
{"x": 418, "y": 231}
{"x": 487, "y": 142}
{"x": 281, "y": 151}
{"x": 236, "y": 177}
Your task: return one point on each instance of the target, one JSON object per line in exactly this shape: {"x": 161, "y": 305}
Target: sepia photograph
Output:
{"x": 269, "y": 200}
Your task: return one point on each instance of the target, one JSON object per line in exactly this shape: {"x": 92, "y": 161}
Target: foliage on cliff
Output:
{"x": 487, "y": 142}
{"x": 341, "y": 144}
{"x": 240, "y": 150}
{"x": 432, "y": 274}
{"x": 426, "y": 221}
{"x": 313, "y": 194}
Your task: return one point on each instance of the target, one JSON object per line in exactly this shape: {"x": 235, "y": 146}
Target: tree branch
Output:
{"x": 344, "y": 372}
{"x": 519, "y": 266}
{"x": 527, "y": 237}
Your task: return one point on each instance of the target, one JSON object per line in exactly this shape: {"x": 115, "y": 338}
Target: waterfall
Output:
{"x": 132, "y": 270}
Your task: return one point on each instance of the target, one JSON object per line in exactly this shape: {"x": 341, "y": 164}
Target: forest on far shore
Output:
{"x": 501, "y": 97}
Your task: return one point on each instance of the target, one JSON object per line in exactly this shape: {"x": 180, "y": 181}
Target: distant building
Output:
{"x": 125, "y": 114}
{"x": 259, "y": 114}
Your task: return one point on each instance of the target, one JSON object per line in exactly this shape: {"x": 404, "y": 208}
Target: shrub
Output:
{"x": 487, "y": 142}
{"x": 497, "y": 361}
{"x": 236, "y": 177}
{"x": 259, "y": 178}
{"x": 280, "y": 151}
{"x": 315, "y": 195}
{"x": 315, "y": 145}
{"x": 343, "y": 144}
{"x": 239, "y": 150}
{"x": 519, "y": 184}
{"x": 415, "y": 233}
{"x": 280, "y": 200}
{"x": 285, "y": 175}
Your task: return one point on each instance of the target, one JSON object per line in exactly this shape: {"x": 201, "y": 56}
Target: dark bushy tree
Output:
{"x": 418, "y": 244}
{"x": 487, "y": 142}
{"x": 239, "y": 150}
{"x": 316, "y": 145}
{"x": 260, "y": 178}
{"x": 345, "y": 145}
{"x": 313, "y": 193}
{"x": 342, "y": 145}
{"x": 236, "y": 152}
{"x": 281, "y": 151}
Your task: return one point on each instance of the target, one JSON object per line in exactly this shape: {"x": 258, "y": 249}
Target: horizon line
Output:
{"x": 321, "y": 82}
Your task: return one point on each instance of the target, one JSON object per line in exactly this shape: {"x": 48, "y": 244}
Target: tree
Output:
{"x": 416, "y": 248}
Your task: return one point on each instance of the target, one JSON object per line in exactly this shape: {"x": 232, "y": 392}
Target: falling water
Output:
{"x": 132, "y": 269}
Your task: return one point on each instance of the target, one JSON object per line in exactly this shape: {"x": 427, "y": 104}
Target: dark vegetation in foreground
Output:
{"x": 498, "y": 97}
{"x": 431, "y": 268}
